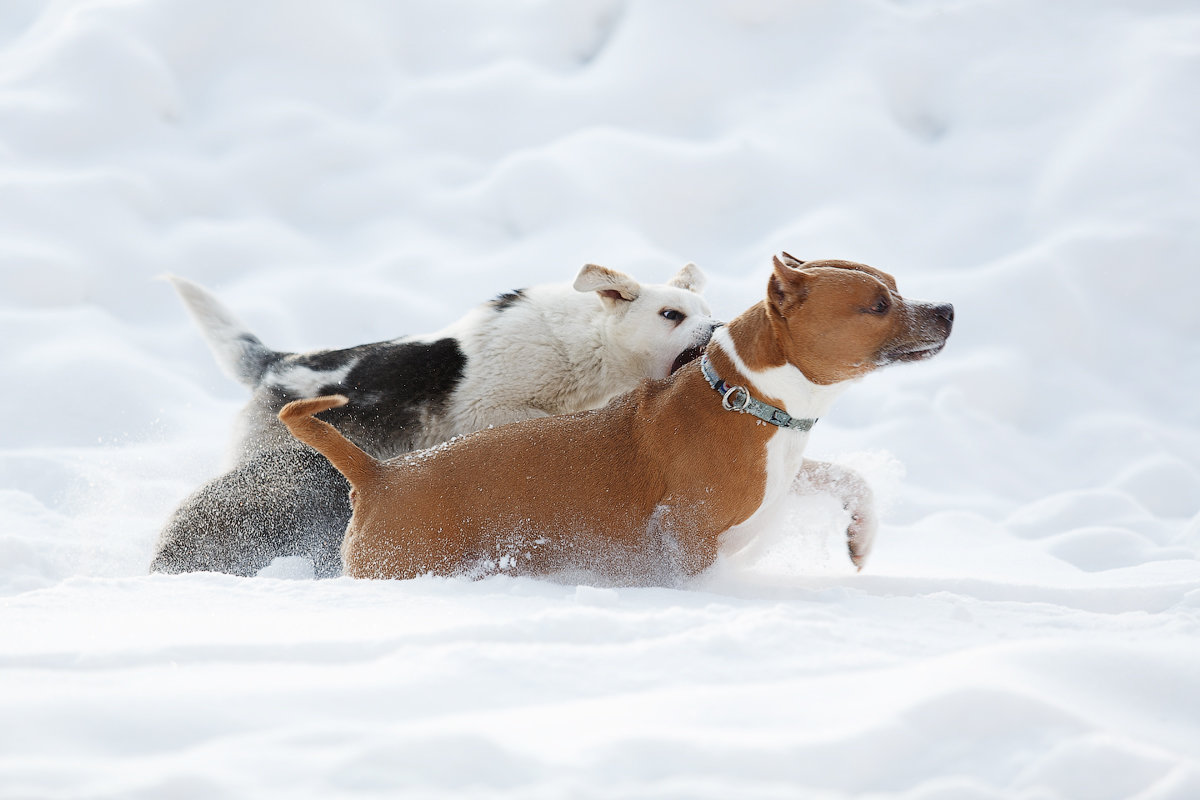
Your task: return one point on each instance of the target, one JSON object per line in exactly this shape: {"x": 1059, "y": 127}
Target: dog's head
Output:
{"x": 838, "y": 320}
{"x": 657, "y": 327}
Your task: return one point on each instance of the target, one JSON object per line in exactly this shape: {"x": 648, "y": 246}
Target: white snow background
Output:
{"x": 350, "y": 171}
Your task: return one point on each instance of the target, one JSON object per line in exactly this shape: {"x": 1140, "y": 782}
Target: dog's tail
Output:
{"x": 358, "y": 466}
{"x": 240, "y": 353}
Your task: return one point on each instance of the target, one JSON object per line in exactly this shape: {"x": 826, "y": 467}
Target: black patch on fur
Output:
{"x": 325, "y": 360}
{"x": 505, "y": 301}
{"x": 290, "y": 501}
{"x": 392, "y": 383}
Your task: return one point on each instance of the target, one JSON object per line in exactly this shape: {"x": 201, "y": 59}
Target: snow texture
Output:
{"x": 346, "y": 172}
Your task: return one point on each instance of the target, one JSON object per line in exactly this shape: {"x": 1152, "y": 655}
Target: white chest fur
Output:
{"x": 799, "y": 397}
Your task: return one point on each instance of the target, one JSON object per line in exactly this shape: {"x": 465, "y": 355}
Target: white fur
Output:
{"x": 545, "y": 350}
{"x": 305, "y": 382}
{"x": 556, "y": 350}
{"x": 564, "y": 349}
{"x": 799, "y": 397}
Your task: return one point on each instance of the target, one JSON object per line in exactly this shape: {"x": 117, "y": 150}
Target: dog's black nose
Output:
{"x": 946, "y": 312}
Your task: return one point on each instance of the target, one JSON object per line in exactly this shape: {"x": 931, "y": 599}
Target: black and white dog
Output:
{"x": 545, "y": 350}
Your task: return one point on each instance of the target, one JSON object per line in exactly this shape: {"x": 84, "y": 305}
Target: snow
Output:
{"x": 339, "y": 173}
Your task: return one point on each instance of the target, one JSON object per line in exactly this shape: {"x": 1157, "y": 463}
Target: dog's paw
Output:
{"x": 860, "y": 533}
{"x": 856, "y": 497}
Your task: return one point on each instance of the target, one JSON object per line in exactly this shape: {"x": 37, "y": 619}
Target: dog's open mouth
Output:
{"x": 918, "y": 353}
{"x": 691, "y": 354}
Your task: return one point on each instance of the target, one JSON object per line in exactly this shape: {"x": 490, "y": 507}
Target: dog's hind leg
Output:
{"x": 288, "y": 502}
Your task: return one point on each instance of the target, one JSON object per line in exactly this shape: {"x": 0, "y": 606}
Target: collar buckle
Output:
{"x": 735, "y": 398}
{"x": 738, "y": 398}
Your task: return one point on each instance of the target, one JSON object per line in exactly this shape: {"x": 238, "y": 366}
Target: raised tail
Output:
{"x": 241, "y": 354}
{"x": 358, "y": 466}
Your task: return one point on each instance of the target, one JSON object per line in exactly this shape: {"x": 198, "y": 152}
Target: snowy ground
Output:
{"x": 351, "y": 171}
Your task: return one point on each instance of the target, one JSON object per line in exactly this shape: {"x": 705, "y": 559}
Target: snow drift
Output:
{"x": 343, "y": 173}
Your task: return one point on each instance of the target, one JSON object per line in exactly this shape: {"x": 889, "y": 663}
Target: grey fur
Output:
{"x": 533, "y": 352}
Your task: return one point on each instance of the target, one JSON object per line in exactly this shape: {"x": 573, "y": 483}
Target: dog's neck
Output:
{"x": 745, "y": 352}
{"x": 749, "y": 345}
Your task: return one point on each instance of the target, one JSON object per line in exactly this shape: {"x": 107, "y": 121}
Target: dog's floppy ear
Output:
{"x": 689, "y": 277}
{"x": 612, "y": 286}
{"x": 788, "y": 286}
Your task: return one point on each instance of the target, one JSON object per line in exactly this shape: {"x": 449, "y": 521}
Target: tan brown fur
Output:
{"x": 830, "y": 343}
{"x": 445, "y": 509}
{"x": 640, "y": 490}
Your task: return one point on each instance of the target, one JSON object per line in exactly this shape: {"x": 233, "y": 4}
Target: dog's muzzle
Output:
{"x": 694, "y": 352}
{"x": 934, "y": 326}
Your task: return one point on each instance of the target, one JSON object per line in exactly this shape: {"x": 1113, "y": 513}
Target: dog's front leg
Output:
{"x": 856, "y": 496}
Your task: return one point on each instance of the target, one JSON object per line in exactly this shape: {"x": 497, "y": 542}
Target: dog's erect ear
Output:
{"x": 789, "y": 259}
{"x": 689, "y": 277}
{"x": 788, "y": 286}
{"x": 612, "y": 286}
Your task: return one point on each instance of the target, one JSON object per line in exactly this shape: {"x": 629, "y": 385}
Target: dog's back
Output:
{"x": 547, "y": 350}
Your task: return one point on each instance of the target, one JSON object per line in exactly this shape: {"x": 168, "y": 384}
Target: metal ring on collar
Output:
{"x": 741, "y": 398}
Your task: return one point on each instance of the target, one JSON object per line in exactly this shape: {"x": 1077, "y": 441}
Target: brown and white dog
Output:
{"x": 641, "y": 490}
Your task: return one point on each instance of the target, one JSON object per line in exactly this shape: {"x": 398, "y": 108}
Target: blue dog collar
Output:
{"x": 737, "y": 398}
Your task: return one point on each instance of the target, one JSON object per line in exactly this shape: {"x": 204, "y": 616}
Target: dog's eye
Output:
{"x": 672, "y": 314}
{"x": 881, "y": 307}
